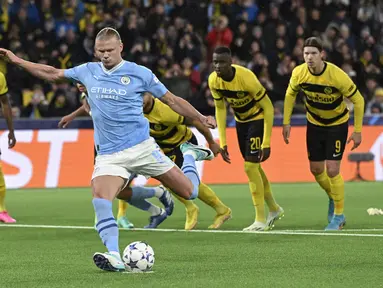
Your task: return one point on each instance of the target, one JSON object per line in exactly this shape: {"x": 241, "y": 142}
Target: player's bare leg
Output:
{"x": 177, "y": 182}
{"x": 104, "y": 189}
{"x": 318, "y": 169}
{"x": 337, "y": 194}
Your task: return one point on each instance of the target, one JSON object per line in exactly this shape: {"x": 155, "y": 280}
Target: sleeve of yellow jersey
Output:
{"x": 167, "y": 115}
{"x": 220, "y": 112}
{"x": 259, "y": 93}
{"x": 3, "y": 84}
{"x": 350, "y": 91}
{"x": 291, "y": 93}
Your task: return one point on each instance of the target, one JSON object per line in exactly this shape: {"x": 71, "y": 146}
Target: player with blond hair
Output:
{"x": 124, "y": 147}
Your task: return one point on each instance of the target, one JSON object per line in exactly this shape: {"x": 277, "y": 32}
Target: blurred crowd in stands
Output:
{"x": 176, "y": 39}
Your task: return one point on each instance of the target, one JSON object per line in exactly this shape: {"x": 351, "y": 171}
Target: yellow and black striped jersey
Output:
{"x": 167, "y": 127}
{"x": 242, "y": 93}
{"x": 3, "y": 84}
{"x": 324, "y": 94}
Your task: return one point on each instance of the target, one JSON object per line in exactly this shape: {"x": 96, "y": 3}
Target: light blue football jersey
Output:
{"x": 115, "y": 97}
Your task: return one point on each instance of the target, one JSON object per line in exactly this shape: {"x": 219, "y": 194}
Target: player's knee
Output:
{"x": 316, "y": 170}
{"x": 332, "y": 171}
{"x": 185, "y": 192}
{"x": 99, "y": 193}
{"x": 194, "y": 193}
{"x": 190, "y": 192}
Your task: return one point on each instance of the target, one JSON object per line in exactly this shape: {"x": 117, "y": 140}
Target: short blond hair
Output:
{"x": 107, "y": 33}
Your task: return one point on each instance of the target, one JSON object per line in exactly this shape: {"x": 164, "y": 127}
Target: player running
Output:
{"x": 7, "y": 113}
{"x": 325, "y": 86}
{"x": 254, "y": 115}
{"x": 122, "y": 139}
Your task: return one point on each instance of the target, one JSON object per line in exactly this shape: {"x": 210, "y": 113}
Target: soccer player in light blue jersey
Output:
{"x": 121, "y": 132}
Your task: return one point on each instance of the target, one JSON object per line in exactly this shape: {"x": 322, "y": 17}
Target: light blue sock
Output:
{"x": 144, "y": 205}
{"x": 190, "y": 170}
{"x": 106, "y": 226}
{"x": 140, "y": 192}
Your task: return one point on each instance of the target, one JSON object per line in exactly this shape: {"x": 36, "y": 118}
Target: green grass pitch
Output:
{"x": 34, "y": 256}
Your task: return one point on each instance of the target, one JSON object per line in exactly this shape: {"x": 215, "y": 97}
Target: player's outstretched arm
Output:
{"x": 268, "y": 115}
{"x": 41, "y": 71}
{"x": 185, "y": 109}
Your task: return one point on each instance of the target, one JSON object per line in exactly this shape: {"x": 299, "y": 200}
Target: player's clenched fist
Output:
{"x": 209, "y": 122}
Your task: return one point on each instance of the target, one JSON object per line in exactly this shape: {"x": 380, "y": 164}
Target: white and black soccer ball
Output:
{"x": 138, "y": 257}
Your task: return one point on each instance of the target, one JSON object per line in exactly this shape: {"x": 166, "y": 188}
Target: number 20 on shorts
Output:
{"x": 255, "y": 143}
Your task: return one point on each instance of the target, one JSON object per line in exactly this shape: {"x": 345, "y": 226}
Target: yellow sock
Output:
{"x": 256, "y": 189}
{"x": 269, "y": 198}
{"x": 208, "y": 196}
{"x": 122, "y": 207}
{"x": 2, "y": 191}
{"x": 324, "y": 182}
{"x": 189, "y": 204}
{"x": 337, "y": 193}
{"x": 191, "y": 212}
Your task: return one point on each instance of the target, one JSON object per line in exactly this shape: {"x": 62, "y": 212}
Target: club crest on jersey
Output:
{"x": 157, "y": 127}
{"x": 240, "y": 94}
{"x": 125, "y": 80}
{"x": 328, "y": 90}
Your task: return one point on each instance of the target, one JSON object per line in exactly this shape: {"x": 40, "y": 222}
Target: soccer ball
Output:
{"x": 138, "y": 257}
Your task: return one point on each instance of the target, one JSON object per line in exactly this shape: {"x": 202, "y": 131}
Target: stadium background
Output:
{"x": 175, "y": 39}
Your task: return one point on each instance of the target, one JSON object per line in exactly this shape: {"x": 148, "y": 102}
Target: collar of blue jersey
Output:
{"x": 119, "y": 65}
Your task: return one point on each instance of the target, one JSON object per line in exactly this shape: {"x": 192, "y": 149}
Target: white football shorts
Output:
{"x": 144, "y": 159}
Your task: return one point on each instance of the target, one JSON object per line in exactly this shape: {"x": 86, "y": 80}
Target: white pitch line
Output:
{"x": 275, "y": 232}
{"x": 344, "y": 230}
